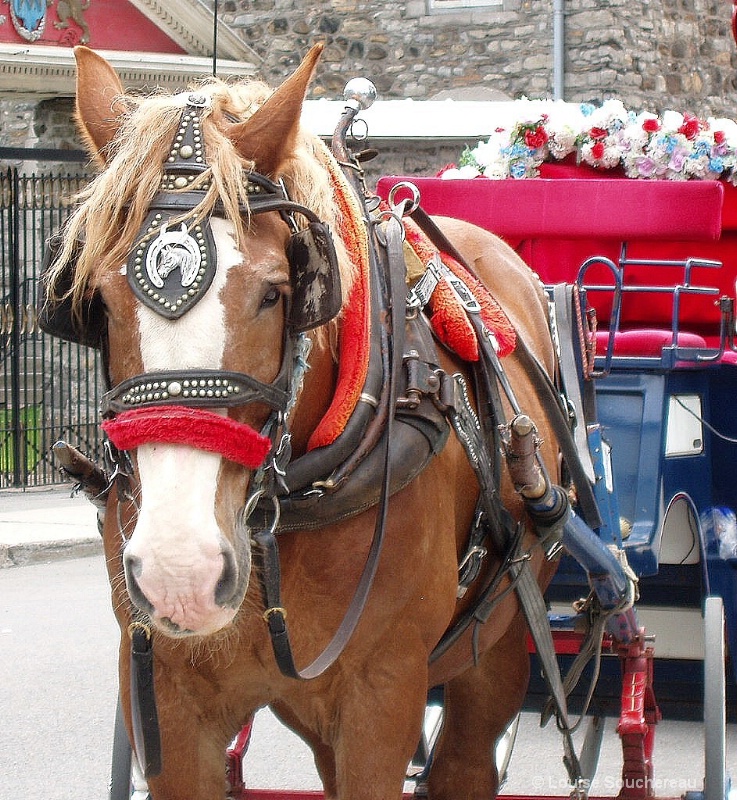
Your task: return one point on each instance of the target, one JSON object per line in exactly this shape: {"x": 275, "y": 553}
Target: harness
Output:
{"x": 408, "y": 405}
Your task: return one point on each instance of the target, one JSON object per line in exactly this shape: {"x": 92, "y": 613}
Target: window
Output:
{"x": 441, "y": 5}
{"x": 684, "y": 433}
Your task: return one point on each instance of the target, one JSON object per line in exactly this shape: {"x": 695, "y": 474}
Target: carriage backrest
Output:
{"x": 556, "y": 223}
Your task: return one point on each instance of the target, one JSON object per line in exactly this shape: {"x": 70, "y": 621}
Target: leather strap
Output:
{"x": 144, "y": 715}
{"x": 523, "y": 579}
{"x": 547, "y": 392}
{"x": 570, "y": 371}
{"x": 275, "y": 614}
{"x": 536, "y": 614}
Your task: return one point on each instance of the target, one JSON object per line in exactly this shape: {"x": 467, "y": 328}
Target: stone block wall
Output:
{"x": 653, "y": 54}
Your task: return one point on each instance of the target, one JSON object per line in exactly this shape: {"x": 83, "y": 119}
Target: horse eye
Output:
{"x": 271, "y": 298}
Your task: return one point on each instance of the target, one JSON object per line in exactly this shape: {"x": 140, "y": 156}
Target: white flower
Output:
{"x": 466, "y": 171}
{"x": 672, "y": 120}
{"x": 497, "y": 171}
{"x": 562, "y": 141}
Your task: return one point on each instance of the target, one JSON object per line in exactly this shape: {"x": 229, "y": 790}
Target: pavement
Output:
{"x": 46, "y": 524}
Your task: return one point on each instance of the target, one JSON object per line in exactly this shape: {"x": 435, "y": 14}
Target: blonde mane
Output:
{"x": 111, "y": 209}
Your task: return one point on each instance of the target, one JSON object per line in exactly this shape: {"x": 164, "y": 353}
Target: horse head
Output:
{"x": 200, "y": 358}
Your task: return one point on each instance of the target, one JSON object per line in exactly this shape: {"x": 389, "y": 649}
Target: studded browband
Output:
{"x": 196, "y": 387}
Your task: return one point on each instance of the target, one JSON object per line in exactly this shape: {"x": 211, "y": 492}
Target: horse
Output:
{"x": 209, "y": 407}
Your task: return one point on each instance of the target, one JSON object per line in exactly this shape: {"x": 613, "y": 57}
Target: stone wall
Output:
{"x": 653, "y": 54}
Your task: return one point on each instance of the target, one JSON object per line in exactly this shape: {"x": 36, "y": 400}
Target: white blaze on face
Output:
{"x": 177, "y": 538}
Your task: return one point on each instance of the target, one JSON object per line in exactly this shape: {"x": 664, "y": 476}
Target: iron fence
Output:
{"x": 49, "y": 389}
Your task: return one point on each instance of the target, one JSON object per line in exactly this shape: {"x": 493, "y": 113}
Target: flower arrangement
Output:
{"x": 673, "y": 146}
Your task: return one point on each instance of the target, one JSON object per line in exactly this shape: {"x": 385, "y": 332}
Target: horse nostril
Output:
{"x": 227, "y": 585}
{"x": 133, "y": 566}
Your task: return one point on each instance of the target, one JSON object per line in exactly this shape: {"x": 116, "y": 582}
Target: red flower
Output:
{"x": 691, "y": 127}
{"x": 536, "y": 137}
{"x": 720, "y": 137}
{"x": 597, "y": 150}
{"x": 598, "y": 133}
{"x": 651, "y": 125}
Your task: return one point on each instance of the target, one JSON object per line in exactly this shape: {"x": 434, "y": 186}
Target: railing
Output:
{"x": 48, "y": 389}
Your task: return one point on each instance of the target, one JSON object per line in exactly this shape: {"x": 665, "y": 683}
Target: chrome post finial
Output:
{"x": 359, "y": 94}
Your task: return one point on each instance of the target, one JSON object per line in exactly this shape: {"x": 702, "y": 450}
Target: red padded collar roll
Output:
{"x": 204, "y": 430}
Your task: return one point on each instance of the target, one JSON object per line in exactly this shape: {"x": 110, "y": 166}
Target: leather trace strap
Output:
{"x": 275, "y": 614}
{"x": 555, "y": 413}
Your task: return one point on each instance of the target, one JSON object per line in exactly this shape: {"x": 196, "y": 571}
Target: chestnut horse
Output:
{"x": 177, "y": 541}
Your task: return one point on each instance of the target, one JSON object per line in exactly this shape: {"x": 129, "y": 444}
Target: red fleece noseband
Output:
{"x": 194, "y": 427}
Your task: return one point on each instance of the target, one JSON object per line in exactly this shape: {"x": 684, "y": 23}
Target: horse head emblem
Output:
{"x": 170, "y": 251}
{"x": 171, "y": 268}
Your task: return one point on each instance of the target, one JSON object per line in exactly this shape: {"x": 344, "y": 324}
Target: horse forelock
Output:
{"x": 111, "y": 209}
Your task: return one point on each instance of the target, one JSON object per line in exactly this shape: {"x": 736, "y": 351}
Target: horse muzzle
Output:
{"x": 187, "y": 584}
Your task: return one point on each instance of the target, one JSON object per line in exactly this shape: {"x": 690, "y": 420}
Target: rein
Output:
{"x": 390, "y": 237}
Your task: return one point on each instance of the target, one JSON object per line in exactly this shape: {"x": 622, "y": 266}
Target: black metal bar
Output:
{"x": 42, "y": 154}
{"x": 15, "y": 305}
{"x": 215, "y": 41}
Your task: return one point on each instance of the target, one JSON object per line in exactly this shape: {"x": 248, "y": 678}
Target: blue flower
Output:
{"x": 519, "y": 151}
{"x": 701, "y": 148}
{"x": 517, "y": 169}
{"x": 587, "y": 109}
{"x": 716, "y": 165}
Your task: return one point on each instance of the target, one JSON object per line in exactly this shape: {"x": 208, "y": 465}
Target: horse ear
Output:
{"x": 268, "y": 136}
{"x": 99, "y": 108}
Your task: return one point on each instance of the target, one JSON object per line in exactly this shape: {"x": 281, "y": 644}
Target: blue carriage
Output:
{"x": 655, "y": 264}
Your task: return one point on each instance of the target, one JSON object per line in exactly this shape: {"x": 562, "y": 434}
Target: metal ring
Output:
{"x": 352, "y": 130}
{"x": 414, "y": 201}
{"x": 250, "y": 507}
{"x": 250, "y": 504}
{"x": 274, "y": 610}
{"x": 138, "y": 625}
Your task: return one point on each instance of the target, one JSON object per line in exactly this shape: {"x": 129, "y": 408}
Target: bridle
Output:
{"x": 171, "y": 231}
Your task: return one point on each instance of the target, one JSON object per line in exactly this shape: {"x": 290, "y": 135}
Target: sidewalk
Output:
{"x": 46, "y": 524}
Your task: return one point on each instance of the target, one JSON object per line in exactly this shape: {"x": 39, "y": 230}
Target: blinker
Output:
{"x": 56, "y": 316}
{"x": 316, "y": 291}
